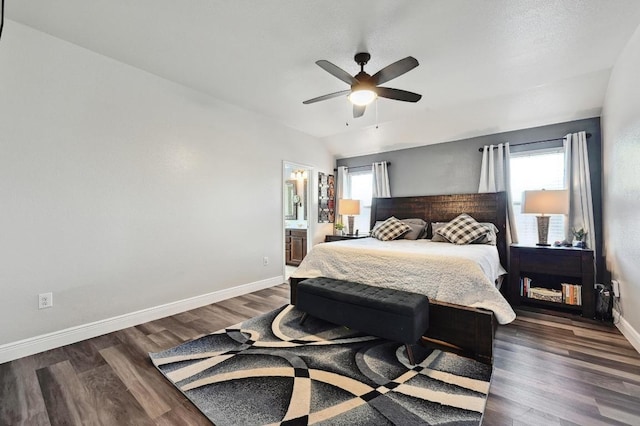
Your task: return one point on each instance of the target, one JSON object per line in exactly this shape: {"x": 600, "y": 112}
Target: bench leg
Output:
{"x": 303, "y": 318}
{"x": 410, "y": 354}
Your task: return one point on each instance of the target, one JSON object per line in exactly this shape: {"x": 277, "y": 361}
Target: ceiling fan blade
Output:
{"x": 329, "y": 96}
{"x": 337, "y": 72}
{"x": 397, "y": 94}
{"x": 358, "y": 110}
{"x": 394, "y": 70}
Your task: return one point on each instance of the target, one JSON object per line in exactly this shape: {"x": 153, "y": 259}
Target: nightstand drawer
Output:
{"x": 561, "y": 265}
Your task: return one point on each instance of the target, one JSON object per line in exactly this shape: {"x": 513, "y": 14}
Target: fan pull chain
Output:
{"x": 377, "y": 113}
{"x": 346, "y": 123}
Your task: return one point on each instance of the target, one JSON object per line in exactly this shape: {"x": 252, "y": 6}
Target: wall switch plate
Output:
{"x": 45, "y": 300}
{"x": 265, "y": 261}
{"x": 615, "y": 285}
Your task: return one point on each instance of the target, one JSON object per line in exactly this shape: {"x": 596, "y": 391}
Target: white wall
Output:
{"x": 621, "y": 182}
{"x": 122, "y": 191}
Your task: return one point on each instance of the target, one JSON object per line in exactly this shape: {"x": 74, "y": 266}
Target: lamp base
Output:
{"x": 543, "y": 230}
{"x": 350, "y": 221}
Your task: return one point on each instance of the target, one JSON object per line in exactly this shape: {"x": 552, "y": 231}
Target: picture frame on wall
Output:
{"x": 326, "y": 198}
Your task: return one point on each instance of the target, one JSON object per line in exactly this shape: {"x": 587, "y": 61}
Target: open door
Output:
{"x": 295, "y": 214}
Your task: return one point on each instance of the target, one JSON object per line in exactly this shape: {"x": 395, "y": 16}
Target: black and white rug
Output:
{"x": 271, "y": 370}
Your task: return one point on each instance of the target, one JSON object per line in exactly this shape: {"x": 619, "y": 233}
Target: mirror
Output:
{"x": 290, "y": 204}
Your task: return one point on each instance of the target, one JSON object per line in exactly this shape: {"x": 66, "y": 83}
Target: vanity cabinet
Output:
{"x": 295, "y": 246}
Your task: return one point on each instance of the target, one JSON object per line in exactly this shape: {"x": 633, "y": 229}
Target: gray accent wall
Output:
{"x": 454, "y": 167}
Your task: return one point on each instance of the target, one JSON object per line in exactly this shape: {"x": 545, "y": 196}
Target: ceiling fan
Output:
{"x": 364, "y": 87}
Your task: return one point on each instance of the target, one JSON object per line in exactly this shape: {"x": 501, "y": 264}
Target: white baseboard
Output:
{"x": 45, "y": 342}
{"x": 627, "y": 330}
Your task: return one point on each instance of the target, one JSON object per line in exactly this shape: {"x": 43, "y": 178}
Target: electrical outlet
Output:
{"x": 265, "y": 261}
{"x": 45, "y": 300}
{"x": 615, "y": 286}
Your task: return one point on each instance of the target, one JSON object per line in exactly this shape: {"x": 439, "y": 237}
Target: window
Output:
{"x": 534, "y": 170}
{"x": 360, "y": 187}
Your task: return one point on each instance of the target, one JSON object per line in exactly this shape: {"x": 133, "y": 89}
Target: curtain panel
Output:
{"x": 341, "y": 188}
{"x": 578, "y": 182}
{"x": 381, "y": 187}
{"x": 495, "y": 176}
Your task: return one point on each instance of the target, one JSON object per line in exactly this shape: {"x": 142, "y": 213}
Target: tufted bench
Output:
{"x": 395, "y": 315}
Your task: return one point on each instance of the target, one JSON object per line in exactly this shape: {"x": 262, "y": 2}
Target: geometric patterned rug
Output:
{"x": 272, "y": 370}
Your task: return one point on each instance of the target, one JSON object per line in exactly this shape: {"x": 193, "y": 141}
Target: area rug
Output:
{"x": 272, "y": 370}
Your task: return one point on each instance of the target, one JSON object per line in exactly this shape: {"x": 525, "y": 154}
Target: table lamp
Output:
{"x": 349, "y": 208}
{"x": 544, "y": 203}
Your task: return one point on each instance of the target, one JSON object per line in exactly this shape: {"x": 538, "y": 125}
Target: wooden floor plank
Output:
{"x": 142, "y": 380}
{"x": 60, "y": 404}
{"x": 84, "y": 356}
{"x": 76, "y": 394}
{"x": 183, "y": 331}
{"x": 104, "y": 341}
{"x": 548, "y": 370}
{"x": 113, "y": 403}
{"x": 185, "y": 317}
{"x": 165, "y": 339}
{"x": 151, "y": 327}
{"x": 184, "y": 415}
{"x": 20, "y": 395}
{"x": 558, "y": 363}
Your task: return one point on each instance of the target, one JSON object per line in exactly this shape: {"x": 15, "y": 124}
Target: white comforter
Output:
{"x": 463, "y": 275}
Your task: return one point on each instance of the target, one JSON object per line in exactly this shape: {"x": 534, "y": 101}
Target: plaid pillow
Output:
{"x": 390, "y": 229}
{"x": 463, "y": 230}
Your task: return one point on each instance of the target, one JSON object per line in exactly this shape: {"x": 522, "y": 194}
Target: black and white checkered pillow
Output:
{"x": 463, "y": 230}
{"x": 390, "y": 229}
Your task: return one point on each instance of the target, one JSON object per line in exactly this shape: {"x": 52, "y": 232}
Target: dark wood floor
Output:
{"x": 548, "y": 371}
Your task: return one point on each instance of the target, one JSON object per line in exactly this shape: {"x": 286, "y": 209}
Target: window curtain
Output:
{"x": 495, "y": 176}
{"x": 341, "y": 188}
{"x": 578, "y": 182}
{"x": 381, "y": 188}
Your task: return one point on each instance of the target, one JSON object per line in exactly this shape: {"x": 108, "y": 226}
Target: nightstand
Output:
{"x": 331, "y": 238}
{"x": 552, "y": 277}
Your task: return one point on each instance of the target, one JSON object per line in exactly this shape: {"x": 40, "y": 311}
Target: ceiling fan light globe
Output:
{"x": 362, "y": 97}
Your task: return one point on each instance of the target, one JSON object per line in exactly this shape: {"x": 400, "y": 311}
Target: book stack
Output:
{"x": 525, "y": 285}
{"x": 572, "y": 294}
{"x": 547, "y": 294}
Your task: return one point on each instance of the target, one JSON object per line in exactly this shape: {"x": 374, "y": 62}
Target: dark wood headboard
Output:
{"x": 486, "y": 207}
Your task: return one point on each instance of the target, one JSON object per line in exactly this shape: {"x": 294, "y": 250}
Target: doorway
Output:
{"x": 296, "y": 214}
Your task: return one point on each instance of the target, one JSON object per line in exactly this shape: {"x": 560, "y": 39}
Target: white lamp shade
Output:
{"x": 546, "y": 202}
{"x": 349, "y": 207}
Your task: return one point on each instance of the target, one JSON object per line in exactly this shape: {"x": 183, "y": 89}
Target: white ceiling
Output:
{"x": 485, "y": 66}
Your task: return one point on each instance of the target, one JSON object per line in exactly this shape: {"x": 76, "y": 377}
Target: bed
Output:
{"x": 465, "y": 325}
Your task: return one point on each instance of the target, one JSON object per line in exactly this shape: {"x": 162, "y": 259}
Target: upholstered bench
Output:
{"x": 395, "y": 315}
